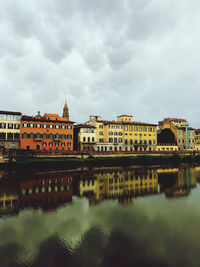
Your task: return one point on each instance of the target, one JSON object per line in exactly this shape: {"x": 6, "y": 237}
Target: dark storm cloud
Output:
{"x": 104, "y": 57}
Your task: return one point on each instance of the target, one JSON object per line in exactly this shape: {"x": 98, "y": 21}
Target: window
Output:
{"x": 25, "y": 125}
{"x": 16, "y": 125}
{"x": 50, "y": 136}
{"x": 131, "y": 128}
{"x": 51, "y": 126}
{"x": 24, "y": 135}
{"x": 2, "y": 125}
{"x": 69, "y": 127}
{"x": 57, "y": 126}
{"x": 44, "y": 136}
{"x": 45, "y": 125}
{"x": 38, "y": 125}
{"x": 110, "y": 133}
{"x": 92, "y": 139}
{"x": 101, "y": 126}
{"x": 69, "y": 143}
{"x": 100, "y": 133}
{"x": 31, "y": 125}
{"x": 63, "y": 126}
{"x": 10, "y": 136}
{"x": 136, "y": 128}
{"x": 126, "y": 128}
{"x": 56, "y": 144}
{"x": 110, "y": 140}
{"x": 69, "y": 136}
{"x": 16, "y": 136}
{"x": 63, "y": 144}
{"x": 31, "y": 135}
{"x": 88, "y": 139}
{"x": 50, "y": 143}
{"x": 44, "y": 143}
{"x": 63, "y": 136}
{"x": 84, "y": 139}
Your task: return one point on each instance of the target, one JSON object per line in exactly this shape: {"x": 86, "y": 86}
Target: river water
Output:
{"x": 101, "y": 217}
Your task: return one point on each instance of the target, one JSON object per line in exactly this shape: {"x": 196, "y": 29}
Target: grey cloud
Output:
{"x": 96, "y": 54}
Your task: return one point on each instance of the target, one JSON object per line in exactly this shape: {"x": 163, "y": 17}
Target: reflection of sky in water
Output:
{"x": 154, "y": 231}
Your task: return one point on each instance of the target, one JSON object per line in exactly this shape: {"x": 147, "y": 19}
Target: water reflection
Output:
{"x": 49, "y": 191}
{"x": 75, "y": 218}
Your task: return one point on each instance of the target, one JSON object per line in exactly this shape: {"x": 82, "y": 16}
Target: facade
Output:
{"x": 10, "y": 129}
{"x": 49, "y": 132}
{"x": 124, "y": 134}
{"x": 176, "y": 131}
{"x": 197, "y": 139}
{"x": 84, "y": 137}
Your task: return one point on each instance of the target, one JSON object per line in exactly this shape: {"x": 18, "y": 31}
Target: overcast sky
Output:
{"x": 105, "y": 57}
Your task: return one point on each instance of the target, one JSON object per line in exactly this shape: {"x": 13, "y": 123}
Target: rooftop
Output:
{"x": 10, "y": 112}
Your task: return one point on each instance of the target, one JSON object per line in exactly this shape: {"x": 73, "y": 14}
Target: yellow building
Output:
{"x": 124, "y": 134}
{"x": 10, "y": 129}
{"x": 175, "y": 131}
{"x": 197, "y": 139}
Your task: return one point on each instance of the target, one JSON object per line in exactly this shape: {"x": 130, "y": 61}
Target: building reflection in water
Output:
{"x": 49, "y": 191}
{"x": 124, "y": 185}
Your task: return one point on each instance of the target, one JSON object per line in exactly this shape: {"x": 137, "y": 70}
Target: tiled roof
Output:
{"x": 42, "y": 119}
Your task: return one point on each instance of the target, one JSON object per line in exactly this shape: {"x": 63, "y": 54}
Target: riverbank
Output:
{"x": 46, "y": 164}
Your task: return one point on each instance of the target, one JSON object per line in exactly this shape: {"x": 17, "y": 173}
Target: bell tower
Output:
{"x": 66, "y": 111}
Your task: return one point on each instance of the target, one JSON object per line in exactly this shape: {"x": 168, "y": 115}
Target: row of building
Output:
{"x": 52, "y": 132}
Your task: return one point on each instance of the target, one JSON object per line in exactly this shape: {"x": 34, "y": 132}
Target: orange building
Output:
{"x": 49, "y": 132}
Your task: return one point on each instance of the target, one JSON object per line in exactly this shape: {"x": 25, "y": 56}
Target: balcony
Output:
{"x": 37, "y": 138}
{"x": 57, "y": 139}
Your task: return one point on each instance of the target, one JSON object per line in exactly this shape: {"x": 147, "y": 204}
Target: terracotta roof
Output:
{"x": 10, "y": 112}
{"x": 43, "y": 119}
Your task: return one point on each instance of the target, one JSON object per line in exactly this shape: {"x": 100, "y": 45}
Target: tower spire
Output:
{"x": 66, "y": 111}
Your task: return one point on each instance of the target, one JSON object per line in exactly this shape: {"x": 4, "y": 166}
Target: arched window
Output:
{"x": 69, "y": 136}
{"x": 38, "y": 135}
{"x": 57, "y": 136}
{"x": 92, "y": 139}
{"x": 38, "y": 125}
{"x": 110, "y": 140}
{"x": 31, "y": 125}
{"x": 44, "y": 136}
{"x": 57, "y": 126}
{"x": 44, "y": 125}
{"x": 50, "y": 136}
{"x": 84, "y": 139}
{"x": 63, "y": 126}
{"x": 24, "y": 135}
{"x": 63, "y": 136}
{"x": 88, "y": 139}
{"x": 25, "y": 125}
{"x": 31, "y": 135}
{"x": 69, "y": 127}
